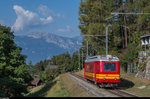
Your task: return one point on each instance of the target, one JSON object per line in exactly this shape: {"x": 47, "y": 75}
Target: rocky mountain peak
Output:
{"x": 41, "y": 45}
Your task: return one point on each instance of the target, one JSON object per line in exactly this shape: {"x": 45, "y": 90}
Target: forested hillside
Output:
{"x": 124, "y": 30}
{"x": 47, "y": 70}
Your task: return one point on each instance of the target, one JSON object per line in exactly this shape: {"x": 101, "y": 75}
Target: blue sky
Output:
{"x": 54, "y": 16}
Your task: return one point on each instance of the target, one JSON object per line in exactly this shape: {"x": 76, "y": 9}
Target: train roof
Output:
{"x": 102, "y": 58}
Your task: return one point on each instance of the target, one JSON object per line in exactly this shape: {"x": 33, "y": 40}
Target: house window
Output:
{"x": 144, "y": 40}
{"x": 147, "y": 39}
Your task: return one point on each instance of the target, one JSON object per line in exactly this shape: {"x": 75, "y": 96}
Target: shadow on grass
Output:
{"x": 125, "y": 84}
{"x": 42, "y": 92}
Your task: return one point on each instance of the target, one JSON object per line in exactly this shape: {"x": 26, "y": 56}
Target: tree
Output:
{"x": 125, "y": 29}
{"x": 74, "y": 61}
{"x": 63, "y": 61}
{"x": 13, "y": 68}
{"x": 92, "y": 17}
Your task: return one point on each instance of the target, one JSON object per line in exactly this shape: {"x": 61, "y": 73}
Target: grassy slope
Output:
{"x": 58, "y": 89}
{"x": 50, "y": 89}
{"x": 73, "y": 88}
{"x": 62, "y": 86}
{"x": 131, "y": 83}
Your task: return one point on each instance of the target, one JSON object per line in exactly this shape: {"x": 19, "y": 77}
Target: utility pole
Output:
{"x": 87, "y": 48}
{"x": 125, "y": 30}
{"x": 87, "y": 42}
{"x": 82, "y": 57}
{"x": 79, "y": 58}
{"x": 106, "y": 41}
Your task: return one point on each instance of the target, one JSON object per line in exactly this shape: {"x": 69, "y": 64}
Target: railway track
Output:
{"x": 120, "y": 93}
{"x": 115, "y": 92}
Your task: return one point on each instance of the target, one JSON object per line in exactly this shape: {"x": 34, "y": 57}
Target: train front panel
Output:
{"x": 109, "y": 72}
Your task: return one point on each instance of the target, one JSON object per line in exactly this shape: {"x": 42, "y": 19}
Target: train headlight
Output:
{"x": 103, "y": 78}
{"x": 115, "y": 78}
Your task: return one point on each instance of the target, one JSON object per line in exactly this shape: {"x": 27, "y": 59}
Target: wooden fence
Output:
{"x": 132, "y": 68}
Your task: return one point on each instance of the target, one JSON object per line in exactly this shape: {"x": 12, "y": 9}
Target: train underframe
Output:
{"x": 102, "y": 85}
{"x": 106, "y": 83}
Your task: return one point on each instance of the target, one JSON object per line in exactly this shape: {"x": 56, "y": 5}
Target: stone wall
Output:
{"x": 146, "y": 72}
{"x": 140, "y": 74}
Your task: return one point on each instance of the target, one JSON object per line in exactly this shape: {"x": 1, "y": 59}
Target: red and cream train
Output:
{"x": 102, "y": 70}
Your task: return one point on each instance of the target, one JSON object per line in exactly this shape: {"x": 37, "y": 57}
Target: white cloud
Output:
{"x": 66, "y": 29}
{"x": 27, "y": 19}
{"x": 45, "y": 11}
{"x": 47, "y": 20}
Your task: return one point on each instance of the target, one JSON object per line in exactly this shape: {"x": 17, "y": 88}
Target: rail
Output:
{"x": 114, "y": 91}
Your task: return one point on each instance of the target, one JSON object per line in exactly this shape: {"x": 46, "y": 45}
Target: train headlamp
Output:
{"x": 115, "y": 78}
{"x": 103, "y": 78}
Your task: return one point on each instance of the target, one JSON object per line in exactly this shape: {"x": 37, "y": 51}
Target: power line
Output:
{"x": 93, "y": 35}
{"x": 128, "y": 13}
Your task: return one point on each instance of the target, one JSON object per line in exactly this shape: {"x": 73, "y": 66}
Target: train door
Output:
{"x": 96, "y": 70}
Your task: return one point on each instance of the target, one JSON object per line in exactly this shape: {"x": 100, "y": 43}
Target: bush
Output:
{"x": 130, "y": 56}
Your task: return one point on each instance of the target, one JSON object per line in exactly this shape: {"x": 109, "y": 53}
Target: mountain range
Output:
{"x": 42, "y": 45}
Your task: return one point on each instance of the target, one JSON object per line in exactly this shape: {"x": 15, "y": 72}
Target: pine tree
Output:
{"x": 13, "y": 69}
{"x": 92, "y": 17}
{"x": 74, "y": 61}
{"x": 125, "y": 30}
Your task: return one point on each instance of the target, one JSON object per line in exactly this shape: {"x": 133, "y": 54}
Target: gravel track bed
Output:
{"x": 98, "y": 92}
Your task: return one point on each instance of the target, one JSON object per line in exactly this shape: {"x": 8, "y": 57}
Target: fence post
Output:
{"x": 134, "y": 67}
{"x": 131, "y": 67}
{"x": 128, "y": 71}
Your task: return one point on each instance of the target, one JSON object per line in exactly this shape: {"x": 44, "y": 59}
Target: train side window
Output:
{"x": 97, "y": 67}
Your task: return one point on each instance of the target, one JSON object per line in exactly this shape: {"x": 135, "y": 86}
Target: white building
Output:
{"x": 145, "y": 40}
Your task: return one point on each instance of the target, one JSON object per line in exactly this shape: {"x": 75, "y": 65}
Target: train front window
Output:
{"x": 109, "y": 66}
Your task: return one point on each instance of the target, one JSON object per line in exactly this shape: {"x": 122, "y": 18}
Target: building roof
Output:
{"x": 147, "y": 35}
{"x": 35, "y": 81}
{"x": 53, "y": 66}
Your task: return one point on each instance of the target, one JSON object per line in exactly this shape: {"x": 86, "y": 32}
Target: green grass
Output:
{"x": 54, "y": 88}
{"x": 41, "y": 91}
{"x": 73, "y": 88}
{"x": 131, "y": 83}
{"x": 58, "y": 90}
{"x": 64, "y": 86}
{"x": 61, "y": 93}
